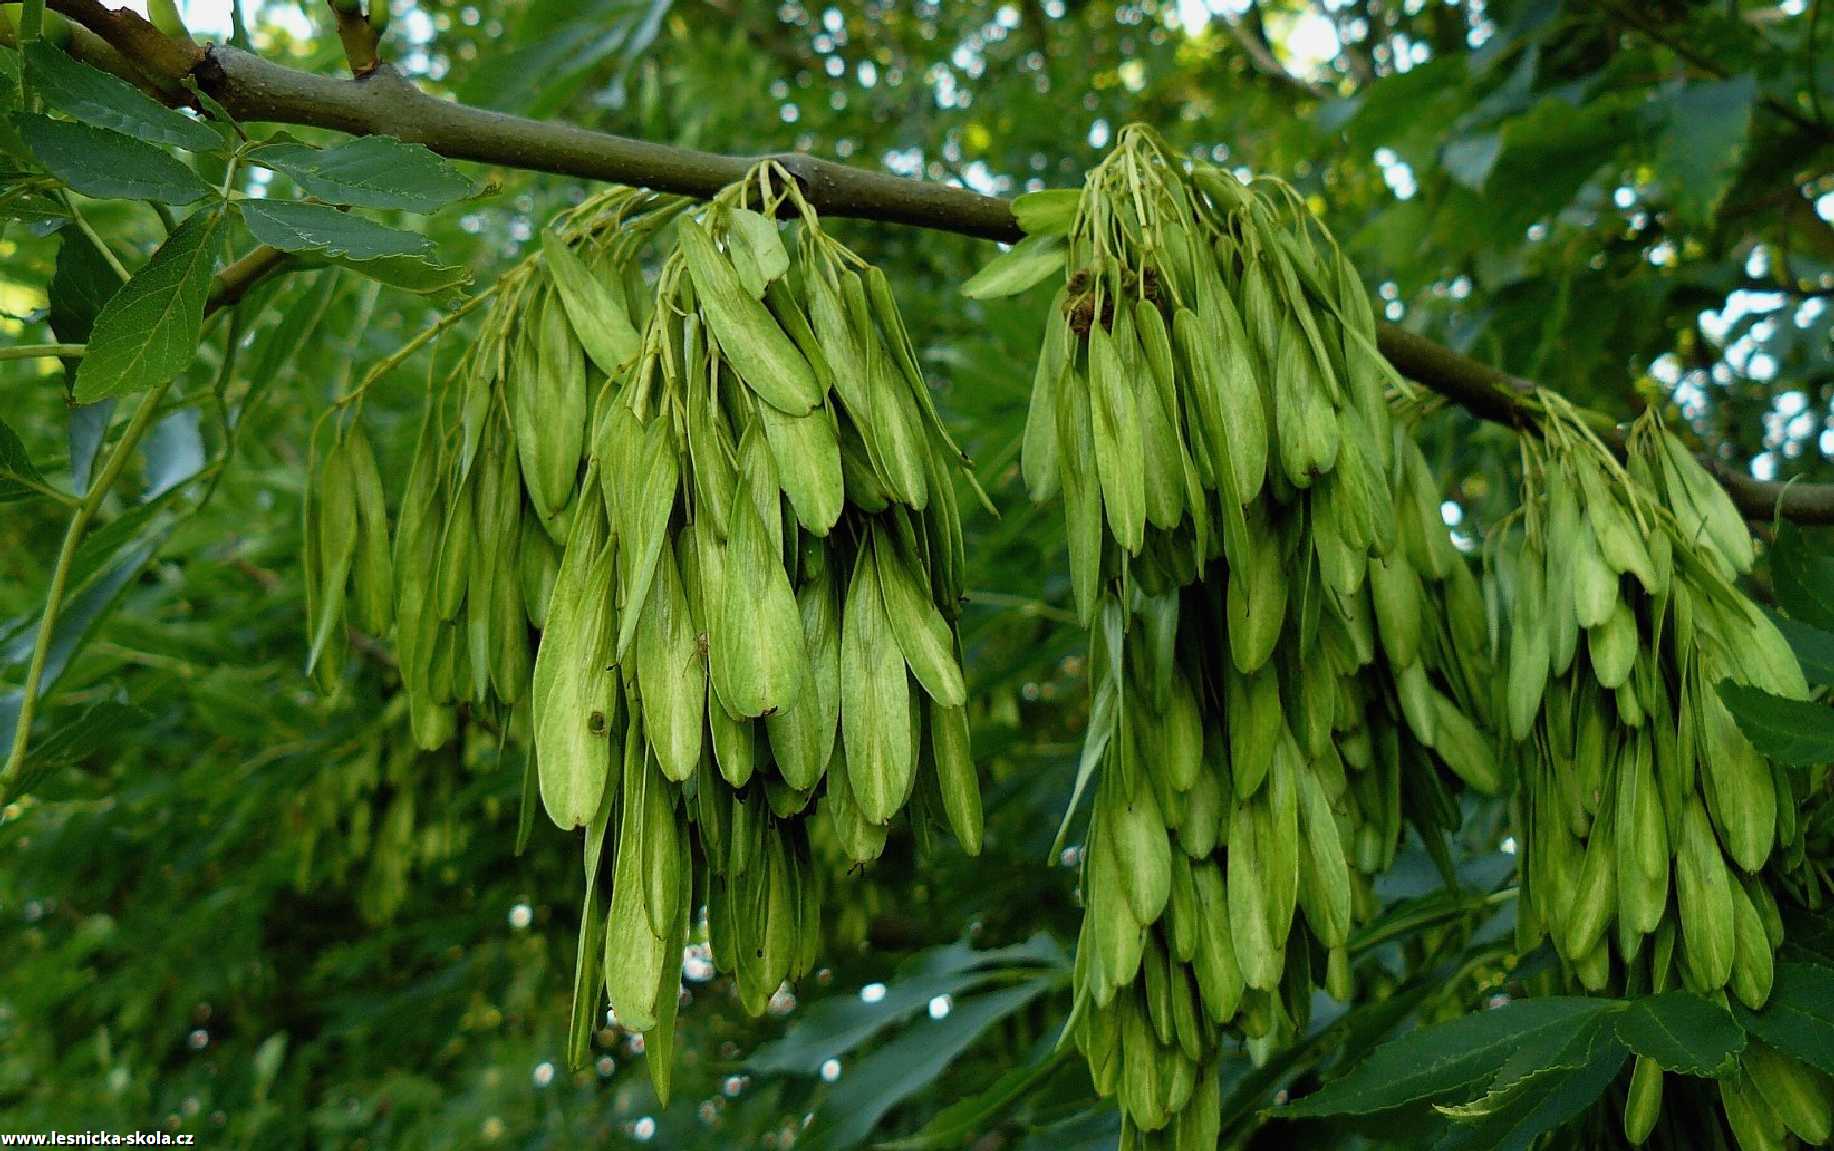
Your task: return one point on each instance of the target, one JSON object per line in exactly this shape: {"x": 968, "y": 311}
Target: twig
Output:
{"x": 1688, "y": 53}
{"x": 46, "y": 351}
{"x": 94, "y": 237}
{"x": 1253, "y": 45}
{"x": 228, "y": 287}
{"x": 60, "y": 575}
{"x": 385, "y": 102}
{"x": 359, "y": 34}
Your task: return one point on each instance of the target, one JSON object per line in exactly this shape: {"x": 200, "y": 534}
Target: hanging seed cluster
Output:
{"x": 1261, "y": 569}
{"x": 491, "y": 491}
{"x": 750, "y": 638}
{"x": 380, "y": 818}
{"x": 1655, "y": 830}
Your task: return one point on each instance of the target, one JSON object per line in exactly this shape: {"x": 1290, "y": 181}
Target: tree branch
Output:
{"x": 385, "y": 102}
{"x": 234, "y": 281}
{"x": 1249, "y": 36}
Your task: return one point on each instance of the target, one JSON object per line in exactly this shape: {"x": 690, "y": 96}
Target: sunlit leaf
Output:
{"x": 148, "y": 332}
{"x": 96, "y": 97}
{"x": 368, "y": 172}
{"x": 298, "y": 227}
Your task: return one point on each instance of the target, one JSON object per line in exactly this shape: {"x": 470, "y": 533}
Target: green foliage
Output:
{"x": 368, "y": 172}
{"x": 106, "y": 164}
{"x": 294, "y": 227}
{"x": 95, "y": 97}
{"x": 239, "y": 903}
{"x": 148, "y": 331}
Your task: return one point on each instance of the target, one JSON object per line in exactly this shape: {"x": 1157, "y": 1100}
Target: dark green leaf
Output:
{"x": 88, "y": 426}
{"x": 409, "y": 273}
{"x": 838, "y": 1024}
{"x": 19, "y": 477}
{"x": 100, "y": 546}
{"x": 1814, "y": 647}
{"x": 1437, "y": 1061}
{"x": 558, "y": 46}
{"x": 148, "y": 331}
{"x": 1470, "y": 159}
{"x": 78, "y": 618}
{"x": 834, "y": 1026}
{"x": 25, "y": 204}
{"x": 1515, "y": 1114}
{"x": 1548, "y": 154}
{"x": 297, "y": 227}
{"x": 959, "y": 1122}
{"x": 1790, "y": 731}
{"x": 108, "y": 165}
{"x": 1803, "y": 576}
{"x": 910, "y": 1063}
{"x": 1682, "y": 1032}
{"x": 369, "y": 172}
{"x": 279, "y": 344}
{"x": 174, "y": 451}
{"x": 1799, "y": 1018}
{"x": 97, "y": 98}
{"x": 93, "y": 730}
{"x": 1702, "y": 145}
{"x": 82, "y": 283}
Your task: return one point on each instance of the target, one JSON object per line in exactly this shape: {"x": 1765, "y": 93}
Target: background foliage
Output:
{"x": 240, "y": 905}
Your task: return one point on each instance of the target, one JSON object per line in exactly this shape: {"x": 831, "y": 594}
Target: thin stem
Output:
{"x": 31, "y": 27}
{"x": 95, "y": 238}
{"x": 45, "y": 490}
{"x": 46, "y": 351}
{"x": 60, "y": 575}
{"x": 1024, "y": 605}
{"x": 1812, "y": 72}
{"x": 393, "y": 360}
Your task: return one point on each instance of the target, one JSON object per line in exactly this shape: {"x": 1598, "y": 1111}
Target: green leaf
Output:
{"x": 82, "y": 283}
{"x": 836, "y": 1025}
{"x": 148, "y": 331}
{"x": 19, "y": 478}
{"x": 108, "y": 165}
{"x": 1437, "y": 1061}
{"x": 909, "y": 1063}
{"x": 99, "y": 725}
{"x": 1803, "y": 577}
{"x": 88, "y": 427}
{"x": 1682, "y": 1032}
{"x": 74, "y": 624}
{"x": 277, "y": 347}
{"x": 409, "y": 273}
{"x": 297, "y": 227}
{"x": 1515, "y": 1114}
{"x": 1549, "y": 153}
{"x": 1814, "y": 647}
{"x": 1049, "y": 212}
{"x": 1791, "y": 731}
{"x": 369, "y": 172}
{"x": 1702, "y": 145}
{"x": 1799, "y": 1018}
{"x": 1025, "y": 264}
{"x": 174, "y": 451}
{"x": 959, "y": 1122}
{"x": 97, "y": 98}
{"x": 80, "y": 287}
{"x": 1470, "y": 159}
{"x": 24, "y": 204}
{"x": 556, "y": 47}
